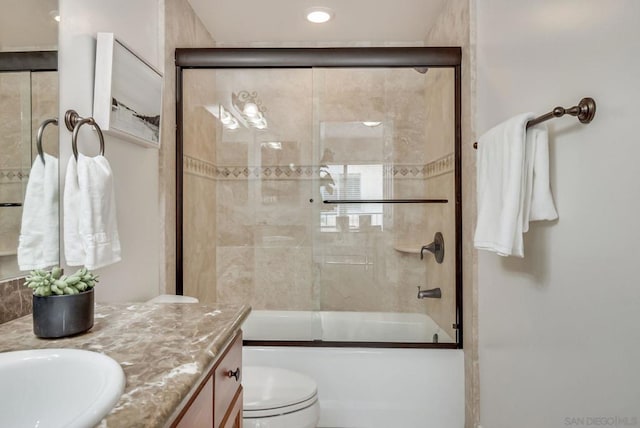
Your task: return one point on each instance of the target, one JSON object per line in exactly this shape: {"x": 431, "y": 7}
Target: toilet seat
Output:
{"x": 270, "y": 392}
{"x": 279, "y": 411}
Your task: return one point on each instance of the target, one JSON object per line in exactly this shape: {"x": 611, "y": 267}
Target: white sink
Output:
{"x": 57, "y": 388}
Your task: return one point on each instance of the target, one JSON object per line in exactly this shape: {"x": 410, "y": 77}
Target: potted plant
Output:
{"x": 62, "y": 305}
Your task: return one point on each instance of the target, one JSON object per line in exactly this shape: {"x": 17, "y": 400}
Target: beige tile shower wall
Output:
{"x": 365, "y": 271}
{"x": 414, "y": 226}
{"x": 456, "y": 27}
{"x": 15, "y": 104}
{"x": 439, "y": 131}
{"x": 200, "y": 126}
{"x": 286, "y": 97}
{"x": 44, "y": 105}
{"x": 24, "y": 95}
{"x": 264, "y": 221}
{"x": 269, "y": 250}
{"x": 395, "y": 97}
{"x": 379, "y": 270}
{"x": 425, "y": 130}
{"x": 264, "y": 255}
{"x": 439, "y": 124}
{"x": 199, "y": 237}
{"x": 441, "y": 218}
{"x": 199, "y": 187}
{"x": 182, "y": 28}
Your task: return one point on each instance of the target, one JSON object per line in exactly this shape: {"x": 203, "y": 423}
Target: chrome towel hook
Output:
{"x": 73, "y": 121}
{"x": 40, "y": 133}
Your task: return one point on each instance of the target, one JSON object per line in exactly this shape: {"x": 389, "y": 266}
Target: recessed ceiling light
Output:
{"x": 371, "y": 124}
{"x": 55, "y": 15}
{"x": 319, "y": 15}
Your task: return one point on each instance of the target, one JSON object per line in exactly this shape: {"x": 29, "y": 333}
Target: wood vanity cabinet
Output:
{"x": 217, "y": 402}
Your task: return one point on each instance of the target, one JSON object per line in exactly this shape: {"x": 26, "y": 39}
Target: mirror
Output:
{"x": 28, "y": 97}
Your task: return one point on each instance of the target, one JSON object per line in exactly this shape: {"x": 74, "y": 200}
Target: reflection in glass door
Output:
{"x": 15, "y": 146}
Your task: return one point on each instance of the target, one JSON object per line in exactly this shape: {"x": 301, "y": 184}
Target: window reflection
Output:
{"x": 353, "y": 182}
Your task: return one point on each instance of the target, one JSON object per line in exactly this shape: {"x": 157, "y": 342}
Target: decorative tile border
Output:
{"x": 210, "y": 171}
{"x": 199, "y": 168}
{"x": 438, "y": 167}
{"x": 13, "y": 175}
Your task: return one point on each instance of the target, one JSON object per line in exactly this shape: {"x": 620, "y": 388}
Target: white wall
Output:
{"x": 560, "y": 330}
{"x": 139, "y": 24}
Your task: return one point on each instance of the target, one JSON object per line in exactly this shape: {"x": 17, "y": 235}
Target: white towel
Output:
{"x": 541, "y": 206}
{"x": 73, "y": 250}
{"x": 38, "y": 245}
{"x": 512, "y": 185}
{"x": 90, "y": 225}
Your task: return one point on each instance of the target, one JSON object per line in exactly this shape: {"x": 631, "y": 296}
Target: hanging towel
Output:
{"x": 38, "y": 245}
{"x": 538, "y": 196}
{"x": 513, "y": 185}
{"x": 90, "y": 224}
{"x": 73, "y": 250}
{"x": 500, "y": 183}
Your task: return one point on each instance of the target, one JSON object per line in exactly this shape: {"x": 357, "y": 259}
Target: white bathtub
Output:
{"x": 366, "y": 387}
{"x": 343, "y": 326}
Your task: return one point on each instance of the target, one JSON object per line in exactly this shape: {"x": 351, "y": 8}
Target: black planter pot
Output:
{"x": 60, "y": 316}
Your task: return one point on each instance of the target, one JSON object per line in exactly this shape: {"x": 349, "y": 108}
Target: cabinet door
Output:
{"x": 226, "y": 378}
{"x": 200, "y": 413}
{"x": 234, "y": 417}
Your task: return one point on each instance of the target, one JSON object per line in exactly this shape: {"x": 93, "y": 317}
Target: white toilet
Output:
{"x": 279, "y": 398}
{"x": 272, "y": 397}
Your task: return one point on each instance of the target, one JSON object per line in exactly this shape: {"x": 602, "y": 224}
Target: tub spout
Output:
{"x": 434, "y": 293}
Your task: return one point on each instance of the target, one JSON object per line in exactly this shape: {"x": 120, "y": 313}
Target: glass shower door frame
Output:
{"x": 377, "y": 57}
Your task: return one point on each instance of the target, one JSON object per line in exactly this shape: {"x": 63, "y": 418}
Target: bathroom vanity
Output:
{"x": 182, "y": 362}
{"x": 221, "y": 387}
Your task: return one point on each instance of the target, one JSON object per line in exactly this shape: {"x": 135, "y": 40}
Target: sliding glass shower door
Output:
{"x": 312, "y": 191}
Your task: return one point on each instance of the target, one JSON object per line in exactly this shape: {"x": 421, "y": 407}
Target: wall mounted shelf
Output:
{"x": 407, "y": 247}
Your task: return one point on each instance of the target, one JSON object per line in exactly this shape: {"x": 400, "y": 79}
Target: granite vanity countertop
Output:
{"x": 164, "y": 350}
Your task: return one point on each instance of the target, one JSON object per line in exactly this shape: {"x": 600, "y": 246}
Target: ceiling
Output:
{"x": 28, "y": 25}
{"x": 283, "y": 21}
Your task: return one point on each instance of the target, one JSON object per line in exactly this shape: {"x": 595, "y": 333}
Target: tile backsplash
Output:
{"x": 15, "y": 300}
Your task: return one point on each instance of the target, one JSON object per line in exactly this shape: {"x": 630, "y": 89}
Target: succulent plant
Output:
{"x": 46, "y": 283}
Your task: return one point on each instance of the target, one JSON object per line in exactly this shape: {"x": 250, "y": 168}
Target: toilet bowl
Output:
{"x": 279, "y": 398}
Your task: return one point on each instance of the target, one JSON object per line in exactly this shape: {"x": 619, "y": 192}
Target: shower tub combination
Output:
{"x": 316, "y": 207}
{"x": 365, "y": 387}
